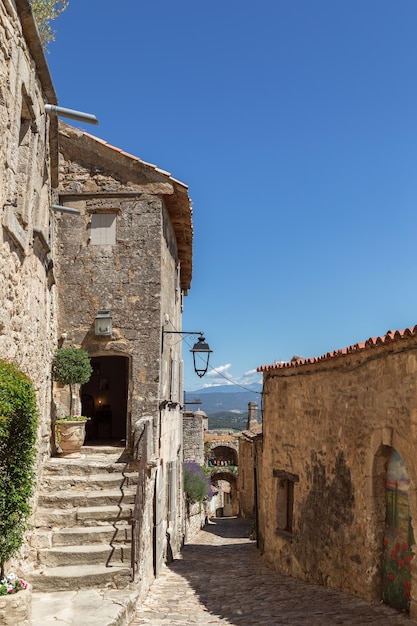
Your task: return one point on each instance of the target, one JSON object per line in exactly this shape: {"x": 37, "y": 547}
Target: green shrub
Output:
{"x": 71, "y": 366}
{"x": 18, "y": 424}
{"x": 196, "y": 484}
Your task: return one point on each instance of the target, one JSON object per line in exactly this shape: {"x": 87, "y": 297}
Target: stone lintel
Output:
{"x": 149, "y": 188}
{"x": 294, "y": 478}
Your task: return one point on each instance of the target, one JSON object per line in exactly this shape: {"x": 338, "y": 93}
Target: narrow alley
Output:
{"x": 221, "y": 579}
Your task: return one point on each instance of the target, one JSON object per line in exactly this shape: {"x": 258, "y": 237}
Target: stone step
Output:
{"x": 91, "y": 450}
{"x": 73, "y": 577}
{"x": 81, "y": 535}
{"x": 80, "y": 498}
{"x": 87, "y": 465}
{"x": 107, "y": 480}
{"x": 119, "y": 533}
{"x": 95, "y": 607}
{"x": 87, "y": 516}
{"x": 97, "y": 554}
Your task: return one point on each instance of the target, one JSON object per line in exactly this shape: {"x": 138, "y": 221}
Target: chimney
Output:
{"x": 252, "y": 415}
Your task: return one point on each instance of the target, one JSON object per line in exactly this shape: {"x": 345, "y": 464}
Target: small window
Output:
{"x": 103, "y": 229}
{"x": 285, "y": 502}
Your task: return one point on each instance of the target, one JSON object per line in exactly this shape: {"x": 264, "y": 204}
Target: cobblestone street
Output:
{"x": 221, "y": 579}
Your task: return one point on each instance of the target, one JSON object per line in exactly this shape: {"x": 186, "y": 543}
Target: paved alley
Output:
{"x": 221, "y": 579}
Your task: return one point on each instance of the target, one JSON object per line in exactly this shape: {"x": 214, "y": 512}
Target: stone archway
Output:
{"x": 226, "y": 481}
{"x": 392, "y": 551}
{"x": 398, "y": 537}
{"x": 222, "y": 454}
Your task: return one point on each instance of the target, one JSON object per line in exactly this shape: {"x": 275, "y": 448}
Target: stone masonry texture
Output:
{"x": 328, "y": 429}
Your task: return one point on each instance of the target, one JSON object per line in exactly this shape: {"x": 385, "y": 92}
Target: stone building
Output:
{"x": 247, "y": 478}
{"x": 28, "y": 182}
{"x": 128, "y": 253}
{"x": 338, "y": 473}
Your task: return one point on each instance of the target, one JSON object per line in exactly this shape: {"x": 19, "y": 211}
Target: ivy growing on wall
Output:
{"x": 18, "y": 424}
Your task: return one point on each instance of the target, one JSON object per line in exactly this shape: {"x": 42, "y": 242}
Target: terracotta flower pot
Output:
{"x": 70, "y": 436}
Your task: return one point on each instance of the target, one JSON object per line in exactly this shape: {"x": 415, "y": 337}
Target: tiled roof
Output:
{"x": 372, "y": 342}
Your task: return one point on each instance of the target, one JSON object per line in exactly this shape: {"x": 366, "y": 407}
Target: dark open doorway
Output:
{"x": 104, "y": 399}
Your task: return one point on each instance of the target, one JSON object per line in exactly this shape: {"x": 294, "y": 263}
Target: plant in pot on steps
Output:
{"x": 72, "y": 367}
{"x": 18, "y": 428}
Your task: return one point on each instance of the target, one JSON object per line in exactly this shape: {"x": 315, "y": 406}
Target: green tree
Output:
{"x": 45, "y": 11}
{"x": 18, "y": 425}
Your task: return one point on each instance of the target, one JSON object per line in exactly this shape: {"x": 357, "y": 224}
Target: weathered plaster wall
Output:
{"x": 329, "y": 424}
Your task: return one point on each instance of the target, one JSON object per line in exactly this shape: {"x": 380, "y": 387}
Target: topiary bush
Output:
{"x": 18, "y": 425}
{"x": 71, "y": 366}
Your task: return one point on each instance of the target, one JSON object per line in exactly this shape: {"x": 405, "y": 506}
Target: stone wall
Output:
{"x": 193, "y": 434}
{"x": 328, "y": 426}
{"x": 128, "y": 277}
{"x": 195, "y": 519}
{"x": 27, "y": 289}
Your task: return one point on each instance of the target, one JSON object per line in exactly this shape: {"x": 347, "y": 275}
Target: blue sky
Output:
{"x": 294, "y": 123}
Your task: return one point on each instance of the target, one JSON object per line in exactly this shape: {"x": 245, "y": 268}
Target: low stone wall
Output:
{"x": 195, "y": 519}
{"x": 16, "y": 609}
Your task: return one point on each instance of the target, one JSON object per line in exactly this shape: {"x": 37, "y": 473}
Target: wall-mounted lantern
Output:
{"x": 103, "y": 323}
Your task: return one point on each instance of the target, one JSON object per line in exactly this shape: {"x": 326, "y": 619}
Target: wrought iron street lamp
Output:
{"x": 201, "y": 349}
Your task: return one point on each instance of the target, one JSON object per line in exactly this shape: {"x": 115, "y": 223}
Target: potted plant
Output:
{"x": 72, "y": 367}
{"x": 18, "y": 427}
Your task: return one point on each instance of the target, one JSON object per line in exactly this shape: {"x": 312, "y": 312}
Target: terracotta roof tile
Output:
{"x": 370, "y": 343}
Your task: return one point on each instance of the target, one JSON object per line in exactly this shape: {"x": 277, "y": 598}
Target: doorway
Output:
{"x": 104, "y": 399}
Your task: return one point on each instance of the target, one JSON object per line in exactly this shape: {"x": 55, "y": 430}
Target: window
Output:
{"x": 103, "y": 229}
{"x": 285, "y": 502}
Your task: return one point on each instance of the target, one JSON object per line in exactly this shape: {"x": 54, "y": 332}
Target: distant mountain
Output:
{"x": 227, "y": 421}
{"x": 227, "y": 389}
{"x": 224, "y": 399}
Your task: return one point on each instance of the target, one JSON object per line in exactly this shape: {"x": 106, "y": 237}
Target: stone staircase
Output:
{"x": 82, "y": 535}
